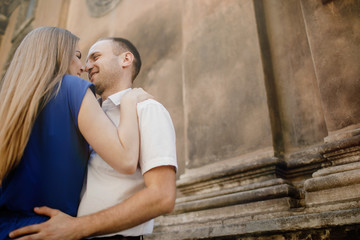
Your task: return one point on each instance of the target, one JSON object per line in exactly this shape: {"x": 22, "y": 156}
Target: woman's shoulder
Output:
{"x": 74, "y": 80}
{"x": 74, "y": 83}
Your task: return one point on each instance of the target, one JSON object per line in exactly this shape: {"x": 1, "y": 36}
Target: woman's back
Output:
{"x": 54, "y": 162}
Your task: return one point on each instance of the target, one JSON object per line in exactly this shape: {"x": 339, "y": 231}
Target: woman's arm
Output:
{"x": 119, "y": 147}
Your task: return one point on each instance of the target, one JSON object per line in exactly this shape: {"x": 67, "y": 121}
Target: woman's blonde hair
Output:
{"x": 32, "y": 78}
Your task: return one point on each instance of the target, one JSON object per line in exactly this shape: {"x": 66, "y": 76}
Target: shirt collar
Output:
{"x": 116, "y": 97}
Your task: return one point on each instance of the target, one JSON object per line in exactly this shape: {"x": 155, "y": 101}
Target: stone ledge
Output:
{"x": 332, "y": 196}
{"x": 237, "y": 227}
{"x": 332, "y": 181}
{"x": 342, "y": 152}
{"x": 253, "y": 186}
{"x": 272, "y": 192}
{"x": 267, "y": 209}
{"x": 336, "y": 169}
{"x": 227, "y": 166}
{"x": 241, "y": 174}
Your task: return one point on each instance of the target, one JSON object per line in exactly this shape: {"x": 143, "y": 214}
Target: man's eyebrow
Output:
{"x": 90, "y": 56}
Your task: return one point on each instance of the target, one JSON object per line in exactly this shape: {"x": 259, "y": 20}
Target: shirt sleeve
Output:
{"x": 157, "y": 136}
{"x": 76, "y": 90}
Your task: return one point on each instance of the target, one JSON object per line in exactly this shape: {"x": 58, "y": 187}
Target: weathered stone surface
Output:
{"x": 200, "y": 182}
{"x": 338, "y": 233}
{"x": 339, "y": 183}
{"x": 99, "y": 8}
{"x": 342, "y": 152}
{"x": 237, "y": 197}
{"x": 337, "y": 169}
{"x": 260, "y": 225}
{"x": 225, "y": 97}
{"x": 334, "y": 180}
{"x": 333, "y": 195}
{"x": 239, "y": 212}
{"x": 295, "y": 107}
{"x": 333, "y": 31}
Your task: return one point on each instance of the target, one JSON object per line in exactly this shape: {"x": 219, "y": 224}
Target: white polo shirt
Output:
{"x": 105, "y": 187}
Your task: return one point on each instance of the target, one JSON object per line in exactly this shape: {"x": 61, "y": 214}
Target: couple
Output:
{"x": 48, "y": 119}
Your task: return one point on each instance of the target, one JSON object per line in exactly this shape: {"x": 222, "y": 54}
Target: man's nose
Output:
{"x": 88, "y": 67}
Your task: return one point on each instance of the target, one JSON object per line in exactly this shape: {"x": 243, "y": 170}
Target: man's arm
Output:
{"x": 157, "y": 198}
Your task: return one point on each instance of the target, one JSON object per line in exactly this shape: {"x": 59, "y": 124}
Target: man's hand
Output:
{"x": 59, "y": 226}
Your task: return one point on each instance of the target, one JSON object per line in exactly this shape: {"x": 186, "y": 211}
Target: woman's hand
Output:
{"x": 137, "y": 95}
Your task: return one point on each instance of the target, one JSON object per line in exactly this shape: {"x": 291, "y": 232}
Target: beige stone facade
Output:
{"x": 264, "y": 96}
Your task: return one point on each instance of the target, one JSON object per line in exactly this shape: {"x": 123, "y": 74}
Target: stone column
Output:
{"x": 334, "y": 37}
{"x": 292, "y": 90}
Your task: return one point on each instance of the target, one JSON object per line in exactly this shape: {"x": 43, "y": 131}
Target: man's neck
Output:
{"x": 112, "y": 91}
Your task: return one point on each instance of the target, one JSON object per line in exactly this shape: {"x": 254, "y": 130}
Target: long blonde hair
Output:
{"x": 32, "y": 78}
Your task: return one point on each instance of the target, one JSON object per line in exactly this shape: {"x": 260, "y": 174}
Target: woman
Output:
{"x": 47, "y": 120}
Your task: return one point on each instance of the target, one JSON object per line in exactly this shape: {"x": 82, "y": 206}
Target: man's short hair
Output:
{"x": 121, "y": 45}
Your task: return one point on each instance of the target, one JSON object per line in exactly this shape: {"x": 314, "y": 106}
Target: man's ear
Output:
{"x": 127, "y": 59}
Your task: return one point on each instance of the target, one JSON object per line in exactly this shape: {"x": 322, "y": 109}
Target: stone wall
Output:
{"x": 264, "y": 99}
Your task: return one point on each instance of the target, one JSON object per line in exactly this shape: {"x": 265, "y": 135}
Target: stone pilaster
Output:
{"x": 334, "y": 39}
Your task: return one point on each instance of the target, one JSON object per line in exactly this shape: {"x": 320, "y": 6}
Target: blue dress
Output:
{"x": 53, "y": 166}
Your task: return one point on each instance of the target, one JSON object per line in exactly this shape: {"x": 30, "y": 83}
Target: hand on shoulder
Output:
{"x": 137, "y": 95}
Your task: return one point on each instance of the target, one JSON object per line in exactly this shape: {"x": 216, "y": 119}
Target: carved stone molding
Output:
{"x": 316, "y": 188}
{"x": 249, "y": 195}
{"x": 343, "y": 152}
{"x": 99, "y": 8}
{"x": 243, "y": 174}
{"x": 338, "y": 185}
{"x": 247, "y": 183}
{"x": 332, "y": 225}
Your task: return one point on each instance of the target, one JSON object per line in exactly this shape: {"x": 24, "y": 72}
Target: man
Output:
{"x": 114, "y": 204}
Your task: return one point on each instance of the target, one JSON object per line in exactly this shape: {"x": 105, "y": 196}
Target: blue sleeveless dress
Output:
{"x": 52, "y": 169}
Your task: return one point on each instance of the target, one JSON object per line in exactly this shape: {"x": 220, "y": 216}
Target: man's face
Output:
{"x": 102, "y": 66}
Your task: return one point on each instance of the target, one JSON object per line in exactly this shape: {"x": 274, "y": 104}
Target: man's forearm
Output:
{"x": 156, "y": 199}
{"x": 117, "y": 218}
